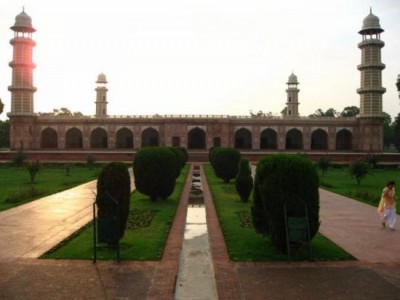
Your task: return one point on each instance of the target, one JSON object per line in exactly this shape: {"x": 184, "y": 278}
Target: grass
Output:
{"x": 147, "y": 231}
{"x": 16, "y": 188}
{"x": 242, "y": 241}
{"x": 339, "y": 181}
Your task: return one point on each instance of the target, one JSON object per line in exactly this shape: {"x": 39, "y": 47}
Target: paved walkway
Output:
{"x": 350, "y": 224}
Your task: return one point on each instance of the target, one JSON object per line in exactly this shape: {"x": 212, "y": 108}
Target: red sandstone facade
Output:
{"x": 105, "y": 134}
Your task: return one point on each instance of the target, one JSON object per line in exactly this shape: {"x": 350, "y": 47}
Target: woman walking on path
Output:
{"x": 387, "y": 205}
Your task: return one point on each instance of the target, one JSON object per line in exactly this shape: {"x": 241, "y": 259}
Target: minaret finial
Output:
{"x": 370, "y": 10}
{"x": 23, "y": 8}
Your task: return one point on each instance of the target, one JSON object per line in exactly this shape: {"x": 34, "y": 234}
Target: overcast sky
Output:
{"x": 199, "y": 56}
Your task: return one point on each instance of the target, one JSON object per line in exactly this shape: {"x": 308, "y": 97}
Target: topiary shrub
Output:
{"x": 260, "y": 221}
{"x": 225, "y": 162}
{"x": 280, "y": 178}
{"x": 185, "y": 154}
{"x": 180, "y": 159}
{"x": 154, "y": 169}
{"x": 114, "y": 181}
{"x": 244, "y": 180}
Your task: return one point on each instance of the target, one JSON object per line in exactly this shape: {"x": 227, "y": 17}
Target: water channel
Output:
{"x": 196, "y": 274}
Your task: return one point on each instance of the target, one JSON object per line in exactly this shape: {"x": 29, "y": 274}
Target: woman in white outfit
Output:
{"x": 387, "y": 206}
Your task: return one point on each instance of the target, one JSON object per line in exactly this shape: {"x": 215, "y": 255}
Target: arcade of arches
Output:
{"x": 197, "y": 139}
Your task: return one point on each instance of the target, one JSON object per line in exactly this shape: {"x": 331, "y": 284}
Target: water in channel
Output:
{"x": 196, "y": 274}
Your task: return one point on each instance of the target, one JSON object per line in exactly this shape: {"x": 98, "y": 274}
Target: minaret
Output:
{"x": 371, "y": 67}
{"x": 292, "y": 103}
{"x": 22, "y": 88}
{"x": 101, "y": 96}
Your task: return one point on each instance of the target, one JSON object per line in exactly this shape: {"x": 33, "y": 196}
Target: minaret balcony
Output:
{"x": 15, "y": 64}
{"x": 371, "y": 42}
{"x": 378, "y": 90}
{"x": 371, "y": 65}
{"x": 15, "y": 88}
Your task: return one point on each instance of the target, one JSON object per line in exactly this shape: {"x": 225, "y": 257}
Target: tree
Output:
{"x": 33, "y": 168}
{"x": 260, "y": 114}
{"x": 284, "y": 112}
{"x": 5, "y": 134}
{"x": 1, "y": 106}
{"x": 358, "y": 169}
{"x": 396, "y": 131}
{"x": 330, "y": 112}
{"x": 323, "y": 164}
{"x": 388, "y": 131}
{"x": 350, "y": 112}
{"x": 244, "y": 180}
{"x": 154, "y": 169}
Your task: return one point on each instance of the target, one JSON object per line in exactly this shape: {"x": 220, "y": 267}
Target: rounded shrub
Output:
{"x": 185, "y": 154}
{"x": 179, "y": 158}
{"x": 155, "y": 171}
{"x": 225, "y": 162}
{"x": 281, "y": 178}
{"x": 244, "y": 180}
{"x": 114, "y": 183}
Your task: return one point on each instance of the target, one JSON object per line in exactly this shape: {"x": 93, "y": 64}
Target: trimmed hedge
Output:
{"x": 225, "y": 162}
{"x": 279, "y": 178}
{"x": 155, "y": 170}
{"x": 244, "y": 180}
{"x": 114, "y": 180}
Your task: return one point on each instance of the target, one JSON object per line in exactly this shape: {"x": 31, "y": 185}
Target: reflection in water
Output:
{"x": 196, "y": 224}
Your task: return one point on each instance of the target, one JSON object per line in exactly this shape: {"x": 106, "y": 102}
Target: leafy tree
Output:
{"x": 323, "y": 164}
{"x": 5, "y": 134}
{"x": 90, "y": 160}
{"x": 284, "y": 112}
{"x": 154, "y": 169}
{"x": 350, "y": 112}
{"x": 1, "y": 106}
{"x": 331, "y": 112}
{"x": 114, "y": 184}
{"x": 244, "y": 180}
{"x": 396, "y": 131}
{"x": 372, "y": 160}
{"x": 33, "y": 168}
{"x": 19, "y": 158}
{"x": 388, "y": 131}
{"x": 260, "y": 114}
{"x": 358, "y": 169}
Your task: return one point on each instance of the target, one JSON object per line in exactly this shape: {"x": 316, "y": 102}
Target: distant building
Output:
{"x": 105, "y": 133}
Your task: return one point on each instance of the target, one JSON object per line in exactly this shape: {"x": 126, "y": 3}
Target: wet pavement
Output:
{"x": 352, "y": 225}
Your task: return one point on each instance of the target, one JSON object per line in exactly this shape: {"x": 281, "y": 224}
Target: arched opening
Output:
{"x": 319, "y": 140}
{"x": 124, "y": 139}
{"x": 150, "y": 138}
{"x": 98, "y": 139}
{"x": 48, "y": 139}
{"x": 294, "y": 139}
{"x": 343, "y": 140}
{"x": 196, "y": 139}
{"x": 243, "y": 139}
{"x": 73, "y": 139}
{"x": 268, "y": 139}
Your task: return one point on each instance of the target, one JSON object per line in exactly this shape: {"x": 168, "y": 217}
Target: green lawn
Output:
{"x": 243, "y": 243}
{"x": 147, "y": 231}
{"x": 339, "y": 181}
{"x": 16, "y": 188}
